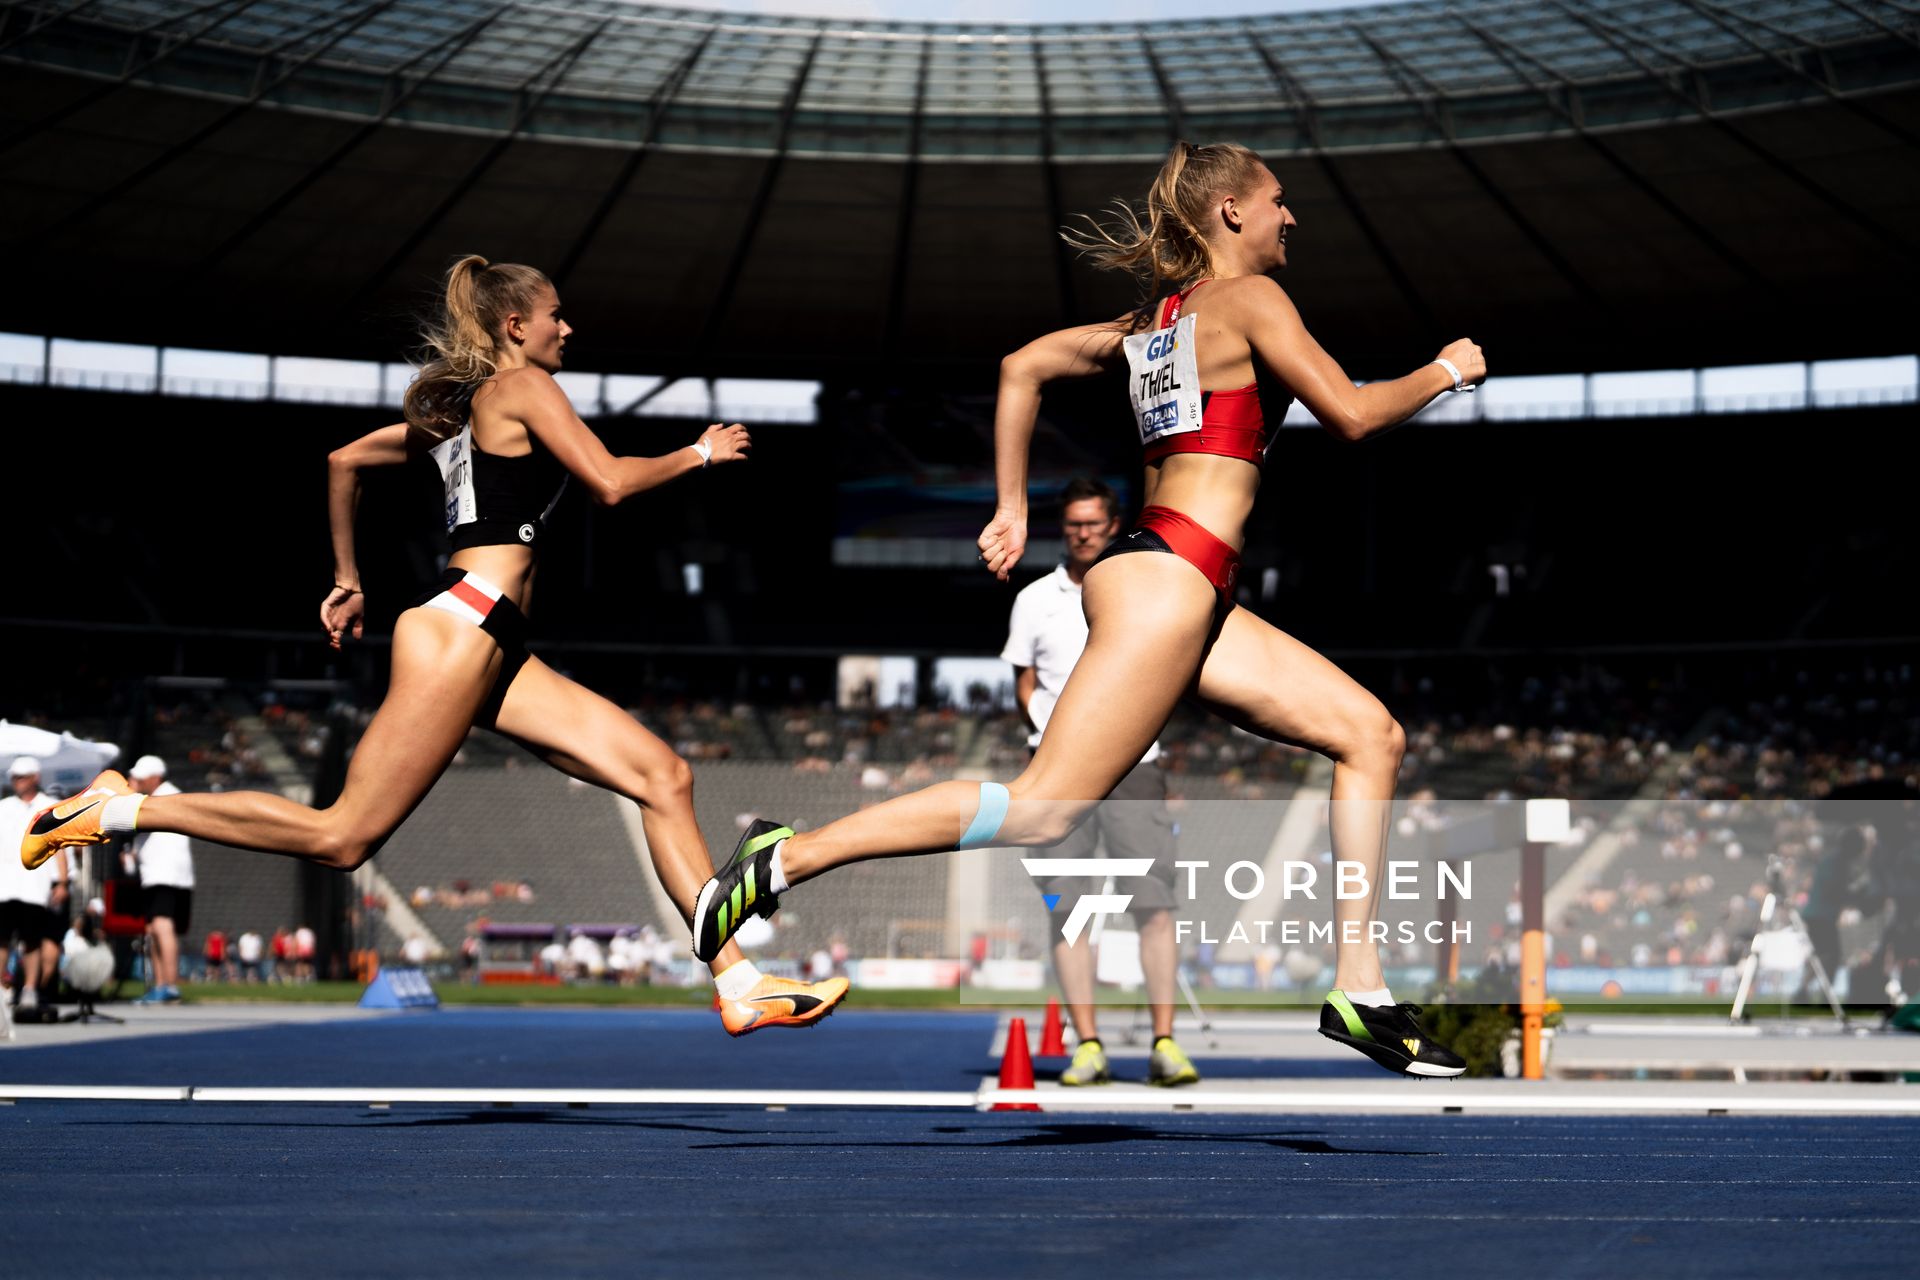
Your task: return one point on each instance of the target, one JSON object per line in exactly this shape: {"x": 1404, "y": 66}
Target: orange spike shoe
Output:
{"x": 75, "y": 820}
{"x": 781, "y": 1002}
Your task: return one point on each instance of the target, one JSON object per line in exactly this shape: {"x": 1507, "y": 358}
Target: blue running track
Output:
{"x": 211, "y": 1189}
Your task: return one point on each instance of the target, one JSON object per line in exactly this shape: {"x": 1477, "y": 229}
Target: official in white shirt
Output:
{"x": 1046, "y": 636}
{"x": 166, "y": 883}
{"x": 33, "y": 904}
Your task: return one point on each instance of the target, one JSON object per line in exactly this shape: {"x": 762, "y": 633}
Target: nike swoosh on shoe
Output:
{"x": 40, "y": 828}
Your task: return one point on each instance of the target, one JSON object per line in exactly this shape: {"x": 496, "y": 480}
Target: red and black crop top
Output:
{"x": 1175, "y": 416}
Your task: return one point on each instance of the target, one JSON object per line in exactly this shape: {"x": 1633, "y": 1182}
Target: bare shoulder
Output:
{"x": 524, "y": 384}
{"x": 1256, "y": 303}
{"x": 1251, "y": 292}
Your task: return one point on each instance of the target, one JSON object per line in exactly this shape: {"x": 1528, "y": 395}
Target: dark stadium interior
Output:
{"x": 1729, "y": 530}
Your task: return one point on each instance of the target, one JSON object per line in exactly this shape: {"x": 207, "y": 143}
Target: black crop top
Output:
{"x": 493, "y": 500}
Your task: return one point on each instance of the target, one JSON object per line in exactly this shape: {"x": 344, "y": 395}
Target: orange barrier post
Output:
{"x": 1016, "y": 1066}
{"x": 1533, "y": 955}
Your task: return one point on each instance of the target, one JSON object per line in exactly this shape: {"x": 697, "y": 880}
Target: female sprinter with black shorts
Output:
{"x": 507, "y": 442}
{"x": 1212, "y": 368}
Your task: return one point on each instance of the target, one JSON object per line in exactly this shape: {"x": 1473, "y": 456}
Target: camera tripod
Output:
{"x": 1776, "y": 901}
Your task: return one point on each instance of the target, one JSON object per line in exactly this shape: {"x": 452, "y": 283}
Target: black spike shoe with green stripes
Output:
{"x": 741, "y": 889}
{"x": 1391, "y": 1035}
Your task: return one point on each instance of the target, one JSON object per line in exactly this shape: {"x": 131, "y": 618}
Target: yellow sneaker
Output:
{"x": 1089, "y": 1065}
{"x": 75, "y": 820}
{"x": 781, "y": 1002}
{"x": 1170, "y": 1066}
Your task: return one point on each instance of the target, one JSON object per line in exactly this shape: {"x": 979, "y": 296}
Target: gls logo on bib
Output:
{"x": 1164, "y": 380}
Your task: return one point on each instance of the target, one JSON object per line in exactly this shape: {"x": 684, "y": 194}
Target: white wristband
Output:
{"x": 705, "y": 450}
{"x": 1453, "y": 369}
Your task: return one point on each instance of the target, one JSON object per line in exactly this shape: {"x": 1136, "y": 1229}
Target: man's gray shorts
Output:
{"x": 1133, "y": 822}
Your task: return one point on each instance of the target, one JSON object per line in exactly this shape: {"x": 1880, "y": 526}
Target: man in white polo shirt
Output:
{"x": 1046, "y": 637}
{"x": 166, "y": 882}
{"x": 33, "y": 904}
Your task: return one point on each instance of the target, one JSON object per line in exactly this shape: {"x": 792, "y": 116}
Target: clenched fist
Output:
{"x": 1468, "y": 359}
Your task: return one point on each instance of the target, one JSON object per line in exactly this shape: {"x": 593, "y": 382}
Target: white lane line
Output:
{"x": 1543, "y": 1104}
{"x": 1461, "y": 1101}
{"x": 95, "y": 1092}
{"x": 762, "y": 1098}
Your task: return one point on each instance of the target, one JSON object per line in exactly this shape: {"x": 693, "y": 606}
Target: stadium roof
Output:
{"x": 792, "y": 195}
{"x": 598, "y": 69}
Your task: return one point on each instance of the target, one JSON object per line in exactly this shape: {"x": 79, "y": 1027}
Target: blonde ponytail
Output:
{"x": 462, "y": 340}
{"x": 1168, "y": 247}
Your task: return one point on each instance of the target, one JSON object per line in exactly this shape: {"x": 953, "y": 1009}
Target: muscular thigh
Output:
{"x": 1267, "y": 682}
{"x": 442, "y": 669}
{"x": 1148, "y": 617}
{"x": 577, "y": 731}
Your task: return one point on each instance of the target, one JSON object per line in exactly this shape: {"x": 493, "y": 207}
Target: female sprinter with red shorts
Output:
{"x": 1212, "y": 368}
{"x": 507, "y": 442}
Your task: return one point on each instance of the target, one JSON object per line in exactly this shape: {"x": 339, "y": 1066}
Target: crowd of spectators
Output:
{"x": 210, "y": 746}
{"x": 1739, "y": 780}
{"x": 463, "y": 895}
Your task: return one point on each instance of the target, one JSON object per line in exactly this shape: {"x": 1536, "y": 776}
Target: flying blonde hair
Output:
{"x": 462, "y": 340}
{"x": 1168, "y": 246}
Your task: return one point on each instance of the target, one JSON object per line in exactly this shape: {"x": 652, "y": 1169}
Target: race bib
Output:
{"x": 1164, "y": 380}
{"x": 455, "y": 460}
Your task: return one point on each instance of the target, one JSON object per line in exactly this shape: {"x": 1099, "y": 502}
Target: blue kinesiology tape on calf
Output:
{"x": 987, "y": 818}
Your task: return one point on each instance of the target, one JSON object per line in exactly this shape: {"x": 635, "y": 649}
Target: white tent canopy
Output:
{"x": 67, "y": 763}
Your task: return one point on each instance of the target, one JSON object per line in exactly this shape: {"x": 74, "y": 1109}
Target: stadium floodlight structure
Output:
{"x": 1612, "y": 183}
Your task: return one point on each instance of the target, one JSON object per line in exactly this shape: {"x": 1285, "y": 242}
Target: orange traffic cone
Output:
{"x": 1016, "y": 1068}
{"x": 1053, "y": 1044}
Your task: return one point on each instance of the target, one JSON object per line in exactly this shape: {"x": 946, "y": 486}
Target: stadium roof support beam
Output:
{"x": 762, "y": 197}
{"x": 1719, "y": 17}
{"x": 1431, "y": 99}
{"x": 135, "y": 65}
{"x": 1623, "y": 44}
{"x": 41, "y": 23}
{"x": 656, "y": 117}
{"x": 1904, "y": 35}
{"x": 1050, "y": 181}
{"x": 448, "y": 49}
{"x": 646, "y": 397}
{"x": 1176, "y": 114}
{"x": 1309, "y": 109}
{"x": 1514, "y": 58}
{"x": 553, "y": 72}
{"x": 903, "y": 224}
{"x": 341, "y": 27}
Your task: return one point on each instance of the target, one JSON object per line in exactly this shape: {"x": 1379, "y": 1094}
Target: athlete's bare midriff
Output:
{"x": 508, "y": 568}
{"x": 1214, "y": 492}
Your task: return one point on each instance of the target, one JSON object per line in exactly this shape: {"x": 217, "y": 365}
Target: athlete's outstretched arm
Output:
{"x": 1079, "y": 352}
{"x": 344, "y": 608}
{"x": 533, "y": 397}
{"x": 1281, "y": 342}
